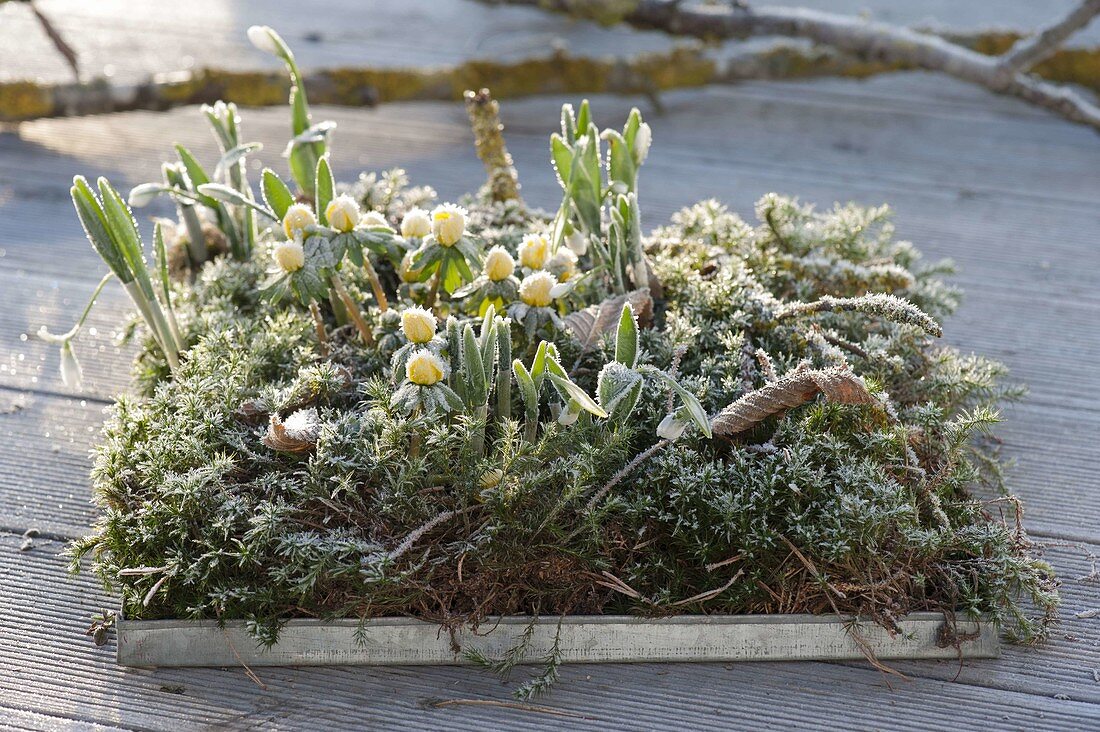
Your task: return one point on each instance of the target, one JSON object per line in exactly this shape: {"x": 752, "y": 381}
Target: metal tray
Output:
{"x": 583, "y": 639}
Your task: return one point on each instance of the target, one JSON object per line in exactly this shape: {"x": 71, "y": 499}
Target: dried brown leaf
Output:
{"x": 839, "y": 385}
{"x": 590, "y": 325}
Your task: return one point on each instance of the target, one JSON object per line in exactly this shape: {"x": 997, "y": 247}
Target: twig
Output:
{"x": 869, "y": 41}
{"x": 626, "y": 470}
{"x": 1029, "y": 51}
{"x": 424, "y": 528}
{"x": 58, "y": 41}
{"x": 508, "y": 705}
{"x": 247, "y": 669}
{"x": 319, "y": 326}
{"x": 709, "y": 594}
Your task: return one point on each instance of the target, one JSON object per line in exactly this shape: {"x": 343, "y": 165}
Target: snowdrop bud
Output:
{"x": 262, "y": 38}
{"x": 416, "y": 224}
{"x": 499, "y": 264}
{"x": 671, "y": 428}
{"x": 143, "y": 195}
{"x": 563, "y": 265}
{"x": 569, "y": 415}
{"x": 642, "y": 140}
{"x": 71, "y": 374}
{"x": 289, "y": 255}
{"x": 448, "y": 224}
{"x": 373, "y": 218}
{"x": 296, "y": 219}
{"x": 577, "y": 243}
{"x": 419, "y": 324}
{"x": 342, "y": 213}
{"x": 533, "y": 251}
{"x": 535, "y": 289}
{"x": 425, "y": 368}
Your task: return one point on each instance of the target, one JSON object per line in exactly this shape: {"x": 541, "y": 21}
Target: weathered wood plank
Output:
{"x": 57, "y": 671}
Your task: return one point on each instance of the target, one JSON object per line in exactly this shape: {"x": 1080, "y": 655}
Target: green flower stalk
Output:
{"x": 112, "y": 231}
{"x": 71, "y": 373}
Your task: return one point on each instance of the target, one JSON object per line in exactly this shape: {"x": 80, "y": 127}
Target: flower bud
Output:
{"x": 373, "y": 218}
{"x": 534, "y": 251}
{"x": 262, "y": 38}
{"x": 642, "y": 140}
{"x": 425, "y": 368}
{"x": 577, "y": 243}
{"x": 448, "y": 224}
{"x": 499, "y": 264}
{"x": 71, "y": 374}
{"x": 563, "y": 265}
{"x": 296, "y": 219}
{"x": 417, "y": 224}
{"x": 418, "y": 324}
{"x": 289, "y": 255}
{"x": 342, "y": 213}
{"x": 535, "y": 289}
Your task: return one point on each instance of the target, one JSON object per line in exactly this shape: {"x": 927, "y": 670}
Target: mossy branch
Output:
{"x": 890, "y": 307}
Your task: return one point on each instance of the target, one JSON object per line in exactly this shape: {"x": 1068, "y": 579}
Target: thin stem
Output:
{"x": 375, "y": 284}
{"x": 144, "y": 307}
{"x": 433, "y": 291}
{"x": 627, "y": 469}
{"x": 354, "y": 312}
{"x": 319, "y": 326}
{"x": 71, "y": 332}
{"x": 196, "y": 240}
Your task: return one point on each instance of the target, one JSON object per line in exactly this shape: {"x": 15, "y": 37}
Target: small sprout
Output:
{"x": 448, "y": 224}
{"x": 424, "y": 368}
{"x": 534, "y": 250}
{"x": 417, "y": 224}
{"x": 298, "y": 217}
{"x": 499, "y": 264}
{"x": 418, "y": 324}
{"x": 343, "y": 215}
{"x": 289, "y": 255}
{"x": 535, "y": 289}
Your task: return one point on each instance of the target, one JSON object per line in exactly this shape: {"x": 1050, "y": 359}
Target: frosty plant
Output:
{"x": 503, "y": 416}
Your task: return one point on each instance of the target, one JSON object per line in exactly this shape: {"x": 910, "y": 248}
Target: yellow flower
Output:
{"x": 499, "y": 264}
{"x": 425, "y": 368}
{"x": 417, "y": 224}
{"x": 296, "y": 219}
{"x": 448, "y": 224}
{"x": 535, "y": 289}
{"x": 419, "y": 324}
{"x": 342, "y": 213}
{"x": 373, "y": 218}
{"x": 491, "y": 478}
{"x": 289, "y": 255}
{"x": 563, "y": 265}
{"x": 533, "y": 251}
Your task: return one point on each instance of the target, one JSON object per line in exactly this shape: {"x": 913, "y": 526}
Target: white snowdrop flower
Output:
{"x": 642, "y": 140}
{"x": 373, "y": 218}
{"x": 289, "y": 255}
{"x": 671, "y": 428}
{"x": 535, "y": 289}
{"x": 448, "y": 224}
{"x": 417, "y": 224}
{"x": 577, "y": 243}
{"x": 142, "y": 195}
{"x": 342, "y": 213}
{"x": 263, "y": 38}
{"x": 296, "y": 219}
{"x": 72, "y": 375}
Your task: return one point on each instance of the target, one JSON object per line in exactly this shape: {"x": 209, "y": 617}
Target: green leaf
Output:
{"x": 538, "y": 366}
{"x": 234, "y": 156}
{"x": 562, "y": 158}
{"x": 473, "y": 367}
{"x": 626, "y": 340}
{"x": 527, "y": 388}
{"x": 276, "y": 194}
{"x": 570, "y": 390}
{"x": 691, "y": 402}
{"x": 94, "y": 222}
{"x": 196, "y": 175}
{"x": 219, "y": 192}
{"x": 124, "y": 231}
{"x": 325, "y": 188}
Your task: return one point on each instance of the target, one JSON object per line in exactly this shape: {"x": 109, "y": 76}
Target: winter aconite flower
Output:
{"x": 563, "y": 264}
{"x": 534, "y": 251}
{"x": 418, "y": 324}
{"x": 417, "y": 224}
{"x": 289, "y": 255}
{"x": 342, "y": 213}
{"x": 424, "y": 368}
{"x": 448, "y": 224}
{"x": 499, "y": 264}
{"x": 535, "y": 289}
{"x": 373, "y": 218}
{"x": 296, "y": 219}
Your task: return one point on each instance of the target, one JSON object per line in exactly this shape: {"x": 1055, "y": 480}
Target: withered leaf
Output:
{"x": 590, "y": 325}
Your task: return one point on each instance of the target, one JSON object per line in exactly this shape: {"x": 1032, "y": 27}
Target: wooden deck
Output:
{"x": 1012, "y": 194}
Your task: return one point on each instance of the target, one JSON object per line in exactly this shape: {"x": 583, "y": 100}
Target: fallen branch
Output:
{"x": 867, "y": 40}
